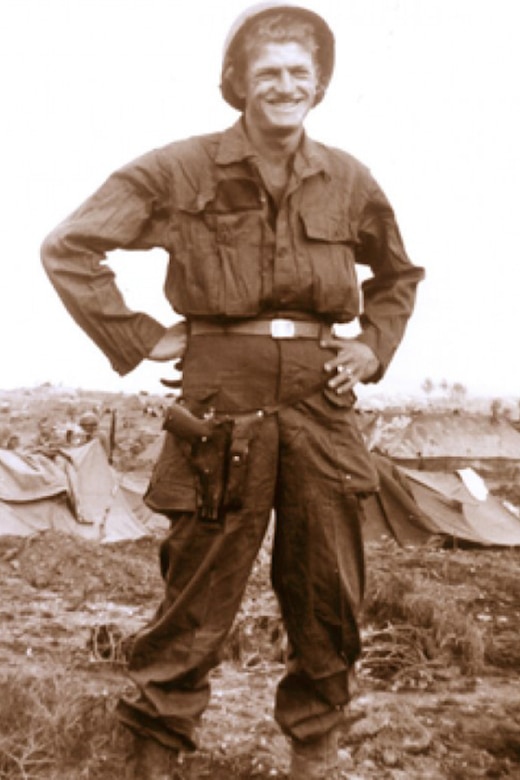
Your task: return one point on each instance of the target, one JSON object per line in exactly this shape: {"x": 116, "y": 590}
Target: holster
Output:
{"x": 209, "y": 457}
{"x": 238, "y": 459}
{"x": 218, "y": 450}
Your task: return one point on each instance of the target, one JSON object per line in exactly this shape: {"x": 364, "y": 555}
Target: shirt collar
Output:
{"x": 235, "y": 147}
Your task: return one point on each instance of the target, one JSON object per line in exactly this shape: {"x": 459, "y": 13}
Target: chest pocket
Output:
{"x": 329, "y": 244}
{"x": 218, "y": 251}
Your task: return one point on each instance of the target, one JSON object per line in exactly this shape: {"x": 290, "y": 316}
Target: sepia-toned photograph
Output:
{"x": 259, "y": 400}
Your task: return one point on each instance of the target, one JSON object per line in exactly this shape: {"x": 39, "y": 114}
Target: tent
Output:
{"x": 76, "y": 491}
{"x": 73, "y": 490}
{"x": 438, "y": 440}
{"x": 415, "y": 507}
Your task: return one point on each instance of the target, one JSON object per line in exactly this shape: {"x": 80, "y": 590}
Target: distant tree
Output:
{"x": 428, "y": 386}
{"x": 459, "y": 389}
{"x": 496, "y": 408}
{"x": 457, "y": 394}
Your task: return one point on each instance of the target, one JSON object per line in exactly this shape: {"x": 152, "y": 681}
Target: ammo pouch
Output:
{"x": 217, "y": 450}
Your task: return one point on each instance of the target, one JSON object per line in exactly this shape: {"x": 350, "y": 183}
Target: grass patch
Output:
{"x": 423, "y": 613}
{"x": 50, "y": 729}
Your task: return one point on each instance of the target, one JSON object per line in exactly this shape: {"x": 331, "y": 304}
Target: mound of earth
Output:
{"x": 68, "y": 605}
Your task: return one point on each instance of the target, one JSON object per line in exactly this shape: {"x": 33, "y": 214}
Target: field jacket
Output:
{"x": 233, "y": 252}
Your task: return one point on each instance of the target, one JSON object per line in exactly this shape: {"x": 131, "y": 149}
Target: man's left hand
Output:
{"x": 353, "y": 363}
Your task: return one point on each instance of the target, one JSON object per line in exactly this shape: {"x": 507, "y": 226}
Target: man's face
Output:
{"x": 280, "y": 87}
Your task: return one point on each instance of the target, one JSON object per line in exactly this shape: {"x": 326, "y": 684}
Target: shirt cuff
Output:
{"x": 147, "y": 333}
{"x": 369, "y": 338}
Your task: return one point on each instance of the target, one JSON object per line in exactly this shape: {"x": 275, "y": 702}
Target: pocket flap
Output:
{"x": 196, "y": 203}
{"x": 330, "y": 227}
{"x": 173, "y": 484}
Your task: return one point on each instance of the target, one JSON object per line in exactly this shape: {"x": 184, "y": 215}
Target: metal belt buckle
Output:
{"x": 282, "y": 329}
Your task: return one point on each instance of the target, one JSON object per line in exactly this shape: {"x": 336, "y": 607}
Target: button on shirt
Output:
{"x": 233, "y": 253}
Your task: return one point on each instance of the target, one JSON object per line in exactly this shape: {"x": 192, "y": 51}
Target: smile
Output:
{"x": 284, "y": 103}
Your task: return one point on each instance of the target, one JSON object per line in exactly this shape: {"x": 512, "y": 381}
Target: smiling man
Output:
{"x": 278, "y": 90}
{"x": 263, "y": 228}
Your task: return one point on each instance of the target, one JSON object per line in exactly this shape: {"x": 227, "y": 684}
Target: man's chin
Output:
{"x": 285, "y": 126}
{"x": 280, "y": 133}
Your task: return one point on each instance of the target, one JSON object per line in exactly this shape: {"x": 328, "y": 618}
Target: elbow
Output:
{"x": 48, "y": 252}
{"x": 52, "y": 252}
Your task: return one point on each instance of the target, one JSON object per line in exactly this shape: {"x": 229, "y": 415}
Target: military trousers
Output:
{"x": 308, "y": 464}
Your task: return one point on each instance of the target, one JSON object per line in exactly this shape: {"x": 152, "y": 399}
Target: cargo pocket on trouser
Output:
{"x": 352, "y": 459}
{"x": 205, "y": 574}
{"x": 356, "y": 476}
{"x": 318, "y": 567}
{"x": 173, "y": 482}
{"x": 174, "y": 485}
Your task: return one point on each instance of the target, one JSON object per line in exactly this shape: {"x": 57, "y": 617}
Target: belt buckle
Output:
{"x": 282, "y": 329}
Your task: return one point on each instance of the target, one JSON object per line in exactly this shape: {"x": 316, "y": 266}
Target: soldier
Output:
{"x": 263, "y": 228}
{"x": 13, "y": 442}
{"x": 48, "y": 437}
{"x": 89, "y": 423}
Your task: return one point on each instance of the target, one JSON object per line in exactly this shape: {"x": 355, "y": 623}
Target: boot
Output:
{"x": 151, "y": 761}
{"x": 316, "y": 759}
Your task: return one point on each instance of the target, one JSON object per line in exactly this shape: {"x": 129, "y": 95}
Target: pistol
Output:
{"x": 184, "y": 424}
{"x": 208, "y": 441}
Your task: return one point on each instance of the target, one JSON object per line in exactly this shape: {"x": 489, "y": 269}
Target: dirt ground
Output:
{"x": 438, "y": 693}
{"x": 66, "y": 606}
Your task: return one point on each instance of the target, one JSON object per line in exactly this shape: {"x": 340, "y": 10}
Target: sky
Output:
{"x": 425, "y": 92}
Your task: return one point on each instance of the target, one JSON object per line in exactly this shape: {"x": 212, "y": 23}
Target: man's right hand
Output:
{"x": 172, "y": 345}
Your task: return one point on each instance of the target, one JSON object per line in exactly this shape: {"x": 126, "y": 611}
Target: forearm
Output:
{"x": 87, "y": 287}
{"x": 387, "y": 309}
{"x": 74, "y": 256}
{"x": 389, "y": 295}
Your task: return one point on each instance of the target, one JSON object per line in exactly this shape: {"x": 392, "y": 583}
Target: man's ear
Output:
{"x": 237, "y": 82}
{"x": 320, "y": 93}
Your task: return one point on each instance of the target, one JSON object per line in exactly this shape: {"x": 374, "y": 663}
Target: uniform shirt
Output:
{"x": 234, "y": 252}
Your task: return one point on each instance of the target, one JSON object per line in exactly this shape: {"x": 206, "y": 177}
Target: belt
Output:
{"x": 275, "y": 328}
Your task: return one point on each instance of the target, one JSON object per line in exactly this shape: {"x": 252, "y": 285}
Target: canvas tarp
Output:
{"x": 412, "y": 507}
{"x": 430, "y": 435}
{"x": 74, "y": 491}
{"x": 416, "y": 506}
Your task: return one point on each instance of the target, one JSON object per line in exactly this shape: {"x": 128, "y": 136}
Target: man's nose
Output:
{"x": 285, "y": 81}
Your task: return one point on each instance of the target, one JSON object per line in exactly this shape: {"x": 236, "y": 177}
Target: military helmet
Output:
{"x": 88, "y": 419}
{"x": 322, "y": 32}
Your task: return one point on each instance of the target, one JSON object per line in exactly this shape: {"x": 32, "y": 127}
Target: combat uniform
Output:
{"x": 240, "y": 260}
